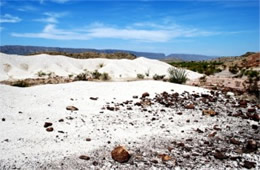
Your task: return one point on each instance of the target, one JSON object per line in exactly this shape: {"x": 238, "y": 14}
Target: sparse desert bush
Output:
{"x": 101, "y": 65}
{"x": 177, "y": 75}
{"x": 158, "y": 77}
{"x": 82, "y": 77}
{"x": 203, "y": 79}
{"x": 147, "y": 73}
{"x": 86, "y": 55}
{"x": 105, "y": 76}
{"x": 71, "y": 75}
{"x": 96, "y": 75}
{"x": 41, "y": 74}
{"x": 203, "y": 67}
{"x": 140, "y": 76}
{"x": 252, "y": 73}
{"x": 20, "y": 83}
{"x": 233, "y": 69}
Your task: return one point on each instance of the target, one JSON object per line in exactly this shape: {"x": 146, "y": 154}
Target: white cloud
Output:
{"x": 56, "y": 1}
{"x": 27, "y": 8}
{"x": 9, "y": 18}
{"x": 51, "y": 17}
{"x": 99, "y": 30}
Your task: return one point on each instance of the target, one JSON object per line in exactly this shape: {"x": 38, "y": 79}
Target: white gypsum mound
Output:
{"x": 20, "y": 67}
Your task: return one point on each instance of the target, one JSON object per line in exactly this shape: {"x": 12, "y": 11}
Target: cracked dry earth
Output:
{"x": 167, "y": 130}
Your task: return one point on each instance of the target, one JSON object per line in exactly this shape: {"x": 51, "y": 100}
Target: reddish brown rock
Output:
{"x": 72, "y": 108}
{"x": 190, "y": 106}
{"x": 220, "y": 155}
{"x": 212, "y": 134}
{"x": 251, "y": 110}
{"x": 209, "y": 112}
{"x": 251, "y": 146}
{"x": 243, "y": 103}
{"x": 84, "y": 157}
{"x": 234, "y": 141}
{"x": 249, "y": 164}
{"x": 120, "y": 154}
{"x": 49, "y": 129}
{"x": 146, "y": 94}
{"x": 164, "y": 157}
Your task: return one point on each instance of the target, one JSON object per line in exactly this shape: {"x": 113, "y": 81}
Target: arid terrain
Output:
{"x": 65, "y": 113}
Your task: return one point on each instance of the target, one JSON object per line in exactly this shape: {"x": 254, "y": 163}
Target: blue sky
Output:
{"x": 211, "y": 27}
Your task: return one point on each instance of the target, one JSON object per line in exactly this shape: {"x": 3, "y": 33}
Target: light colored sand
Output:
{"x": 19, "y": 67}
{"x": 28, "y": 138}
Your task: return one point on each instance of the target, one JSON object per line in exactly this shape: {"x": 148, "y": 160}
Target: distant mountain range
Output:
{"x": 26, "y": 50}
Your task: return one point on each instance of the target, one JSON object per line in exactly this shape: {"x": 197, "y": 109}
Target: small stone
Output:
{"x": 3, "y": 119}
{"x": 120, "y": 154}
{"x": 49, "y": 129}
{"x": 212, "y": 134}
{"x": 170, "y": 149}
{"x": 154, "y": 161}
{"x": 190, "y": 106}
{"x": 251, "y": 146}
{"x": 179, "y": 113}
{"x": 215, "y": 127}
{"x": 47, "y": 124}
{"x": 234, "y": 141}
{"x": 209, "y": 112}
{"x": 84, "y": 157}
{"x": 93, "y": 98}
{"x": 72, "y": 108}
{"x": 146, "y": 94}
{"x": 249, "y": 165}
{"x": 165, "y": 157}
{"x": 135, "y": 97}
{"x": 220, "y": 155}
{"x": 243, "y": 103}
{"x": 110, "y": 108}
{"x": 251, "y": 110}
{"x": 61, "y": 120}
{"x": 60, "y": 131}
{"x": 255, "y": 127}
{"x": 88, "y": 139}
{"x": 256, "y": 117}
{"x": 95, "y": 163}
{"x": 199, "y": 131}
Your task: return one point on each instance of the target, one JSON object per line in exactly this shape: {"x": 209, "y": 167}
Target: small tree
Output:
{"x": 177, "y": 75}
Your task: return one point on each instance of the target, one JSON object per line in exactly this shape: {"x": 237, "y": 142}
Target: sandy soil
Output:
{"x": 25, "y": 143}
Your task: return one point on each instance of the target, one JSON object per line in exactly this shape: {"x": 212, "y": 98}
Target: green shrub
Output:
{"x": 101, "y": 65}
{"x": 177, "y": 75}
{"x": 233, "y": 69}
{"x": 82, "y": 77}
{"x": 158, "y": 77}
{"x": 252, "y": 73}
{"x": 140, "y": 76}
{"x": 41, "y": 74}
{"x": 199, "y": 66}
{"x": 147, "y": 74}
{"x": 105, "y": 76}
{"x": 96, "y": 75}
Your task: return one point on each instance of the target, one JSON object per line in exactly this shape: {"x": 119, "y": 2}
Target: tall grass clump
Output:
{"x": 177, "y": 75}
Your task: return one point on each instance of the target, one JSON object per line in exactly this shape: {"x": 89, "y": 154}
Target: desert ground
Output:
{"x": 161, "y": 125}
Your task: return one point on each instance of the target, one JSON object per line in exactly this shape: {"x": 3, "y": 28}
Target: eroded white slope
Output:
{"x": 19, "y": 67}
